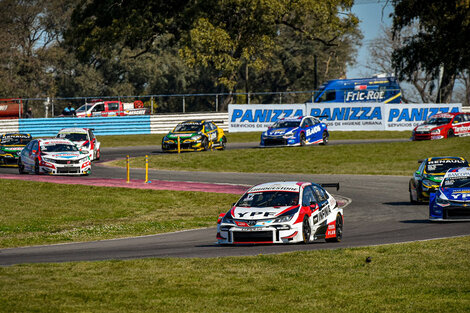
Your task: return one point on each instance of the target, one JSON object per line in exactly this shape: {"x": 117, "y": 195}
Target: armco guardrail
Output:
{"x": 120, "y": 125}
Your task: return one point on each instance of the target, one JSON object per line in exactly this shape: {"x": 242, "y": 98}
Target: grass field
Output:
{"x": 156, "y": 139}
{"x": 430, "y": 276}
{"x": 396, "y": 158}
{"x": 43, "y": 213}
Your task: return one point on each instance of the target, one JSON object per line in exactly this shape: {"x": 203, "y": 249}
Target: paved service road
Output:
{"x": 379, "y": 213}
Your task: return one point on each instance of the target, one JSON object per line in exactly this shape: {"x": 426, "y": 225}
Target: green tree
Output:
{"x": 439, "y": 47}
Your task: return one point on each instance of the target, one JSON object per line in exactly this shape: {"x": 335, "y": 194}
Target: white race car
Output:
{"x": 84, "y": 139}
{"x": 53, "y": 156}
{"x": 282, "y": 212}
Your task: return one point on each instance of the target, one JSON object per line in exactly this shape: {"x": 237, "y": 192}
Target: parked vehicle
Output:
{"x": 111, "y": 108}
{"x": 378, "y": 88}
{"x": 11, "y": 108}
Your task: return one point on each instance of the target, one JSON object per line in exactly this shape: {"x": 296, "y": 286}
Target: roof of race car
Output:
{"x": 295, "y": 118}
{"x": 15, "y": 135}
{"x": 55, "y": 141}
{"x": 198, "y": 122}
{"x": 74, "y": 130}
{"x": 440, "y": 160}
{"x": 445, "y": 115}
{"x": 458, "y": 172}
{"x": 278, "y": 186}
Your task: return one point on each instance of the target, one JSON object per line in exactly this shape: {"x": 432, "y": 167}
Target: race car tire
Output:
{"x": 21, "y": 167}
{"x": 450, "y": 133}
{"x": 302, "y": 139}
{"x": 223, "y": 143}
{"x": 205, "y": 144}
{"x": 306, "y": 230}
{"x": 98, "y": 154}
{"x": 413, "y": 201}
{"x": 325, "y": 138}
{"x": 339, "y": 230}
{"x": 36, "y": 167}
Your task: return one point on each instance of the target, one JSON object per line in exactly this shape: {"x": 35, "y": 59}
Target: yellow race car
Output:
{"x": 194, "y": 135}
{"x": 11, "y": 146}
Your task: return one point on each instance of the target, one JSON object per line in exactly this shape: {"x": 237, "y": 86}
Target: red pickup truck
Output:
{"x": 11, "y": 108}
{"x": 111, "y": 108}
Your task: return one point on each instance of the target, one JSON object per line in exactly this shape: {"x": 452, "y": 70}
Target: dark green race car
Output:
{"x": 11, "y": 146}
{"x": 429, "y": 175}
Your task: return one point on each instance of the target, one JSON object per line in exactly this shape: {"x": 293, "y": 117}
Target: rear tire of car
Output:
{"x": 223, "y": 143}
{"x": 306, "y": 230}
{"x": 36, "y": 167}
{"x": 413, "y": 201}
{"x": 325, "y": 138}
{"x": 302, "y": 139}
{"x": 450, "y": 133}
{"x": 205, "y": 144}
{"x": 339, "y": 230}
{"x": 21, "y": 167}
{"x": 98, "y": 155}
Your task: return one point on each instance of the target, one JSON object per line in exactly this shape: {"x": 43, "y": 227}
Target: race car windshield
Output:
{"x": 59, "y": 148}
{"x": 457, "y": 182}
{"x": 15, "y": 140}
{"x": 188, "y": 128}
{"x": 73, "y": 137}
{"x": 436, "y": 168}
{"x": 286, "y": 124}
{"x": 269, "y": 199}
{"x": 438, "y": 121}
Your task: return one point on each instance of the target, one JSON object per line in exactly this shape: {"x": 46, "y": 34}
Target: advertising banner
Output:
{"x": 338, "y": 116}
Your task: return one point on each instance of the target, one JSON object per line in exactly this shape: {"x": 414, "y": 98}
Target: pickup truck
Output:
{"x": 11, "y": 108}
{"x": 111, "y": 108}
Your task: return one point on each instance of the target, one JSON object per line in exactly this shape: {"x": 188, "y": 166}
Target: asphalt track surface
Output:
{"x": 379, "y": 213}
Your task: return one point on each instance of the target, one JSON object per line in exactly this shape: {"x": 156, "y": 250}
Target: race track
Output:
{"x": 379, "y": 213}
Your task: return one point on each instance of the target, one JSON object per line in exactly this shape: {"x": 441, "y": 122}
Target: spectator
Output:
{"x": 29, "y": 113}
{"x": 69, "y": 111}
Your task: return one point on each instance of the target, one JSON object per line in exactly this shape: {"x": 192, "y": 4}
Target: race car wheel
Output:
{"x": 339, "y": 230}
{"x": 223, "y": 143}
{"x": 205, "y": 144}
{"x": 21, "y": 167}
{"x": 412, "y": 199}
{"x": 302, "y": 139}
{"x": 306, "y": 230}
{"x": 36, "y": 167}
{"x": 98, "y": 154}
{"x": 325, "y": 138}
{"x": 450, "y": 133}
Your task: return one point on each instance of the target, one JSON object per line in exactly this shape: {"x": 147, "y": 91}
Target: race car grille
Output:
{"x": 183, "y": 145}
{"x": 275, "y": 142}
{"x": 252, "y": 236}
{"x": 68, "y": 170}
{"x": 66, "y": 161}
{"x": 457, "y": 212}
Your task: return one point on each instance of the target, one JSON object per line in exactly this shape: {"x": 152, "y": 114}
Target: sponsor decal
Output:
{"x": 275, "y": 188}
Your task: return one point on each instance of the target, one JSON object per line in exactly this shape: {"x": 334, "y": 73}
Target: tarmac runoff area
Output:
{"x": 140, "y": 184}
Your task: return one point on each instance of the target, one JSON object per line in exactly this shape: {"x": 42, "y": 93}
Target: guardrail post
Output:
{"x": 127, "y": 168}
{"x": 217, "y": 103}
{"x": 184, "y": 105}
{"x": 151, "y": 105}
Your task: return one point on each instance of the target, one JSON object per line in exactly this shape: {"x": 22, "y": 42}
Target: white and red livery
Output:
{"x": 85, "y": 140}
{"x": 443, "y": 125}
{"x": 282, "y": 212}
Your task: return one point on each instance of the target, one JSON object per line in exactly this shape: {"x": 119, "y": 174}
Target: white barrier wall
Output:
{"x": 338, "y": 116}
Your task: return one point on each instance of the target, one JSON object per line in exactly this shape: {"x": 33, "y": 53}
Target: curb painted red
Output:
{"x": 136, "y": 184}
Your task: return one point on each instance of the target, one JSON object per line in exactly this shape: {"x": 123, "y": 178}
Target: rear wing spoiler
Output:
{"x": 330, "y": 185}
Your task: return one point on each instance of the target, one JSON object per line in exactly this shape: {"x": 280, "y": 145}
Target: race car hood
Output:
{"x": 279, "y": 131}
{"x": 181, "y": 135}
{"x": 252, "y": 213}
{"x": 63, "y": 155}
{"x": 426, "y": 127}
{"x": 456, "y": 194}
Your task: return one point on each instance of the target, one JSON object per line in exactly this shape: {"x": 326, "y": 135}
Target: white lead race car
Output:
{"x": 282, "y": 212}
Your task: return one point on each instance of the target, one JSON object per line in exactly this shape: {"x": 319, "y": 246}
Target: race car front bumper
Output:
{"x": 282, "y": 233}
{"x": 455, "y": 211}
{"x": 185, "y": 145}
{"x": 65, "y": 169}
{"x": 8, "y": 160}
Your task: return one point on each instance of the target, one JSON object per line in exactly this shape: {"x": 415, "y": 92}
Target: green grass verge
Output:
{"x": 396, "y": 158}
{"x": 42, "y": 213}
{"x": 430, "y": 276}
{"x": 156, "y": 139}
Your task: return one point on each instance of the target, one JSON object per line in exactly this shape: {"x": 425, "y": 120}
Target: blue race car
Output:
{"x": 451, "y": 201}
{"x": 295, "y": 131}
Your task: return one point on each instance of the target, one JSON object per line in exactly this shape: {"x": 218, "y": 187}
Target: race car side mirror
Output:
{"x": 418, "y": 172}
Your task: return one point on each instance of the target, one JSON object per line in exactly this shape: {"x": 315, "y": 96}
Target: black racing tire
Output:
{"x": 306, "y": 230}
{"x": 21, "y": 167}
{"x": 302, "y": 139}
{"x": 413, "y": 201}
{"x": 98, "y": 154}
{"x": 325, "y": 137}
{"x": 339, "y": 230}
{"x": 36, "y": 167}
{"x": 223, "y": 144}
{"x": 450, "y": 133}
{"x": 205, "y": 144}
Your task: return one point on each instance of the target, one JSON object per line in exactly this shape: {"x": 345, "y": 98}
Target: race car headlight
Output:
{"x": 436, "y": 131}
{"x": 197, "y": 137}
{"x": 83, "y": 159}
{"x": 47, "y": 160}
{"x": 442, "y": 202}
{"x": 227, "y": 219}
{"x": 429, "y": 183}
{"x": 288, "y": 135}
{"x": 283, "y": 219}
{"x": 85, "y": 151}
